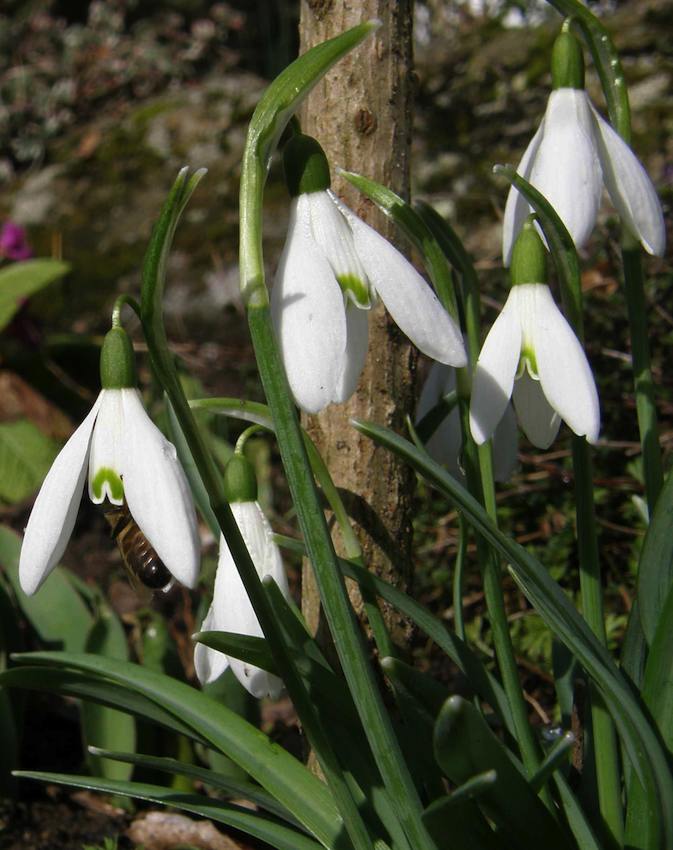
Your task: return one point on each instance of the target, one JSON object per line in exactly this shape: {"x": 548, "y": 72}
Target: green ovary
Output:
{"x": 356, "y": 289}
{"x": 114, "y": 482}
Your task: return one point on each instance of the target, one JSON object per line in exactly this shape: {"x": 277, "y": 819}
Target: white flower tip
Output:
{"x": 479, "y": 435}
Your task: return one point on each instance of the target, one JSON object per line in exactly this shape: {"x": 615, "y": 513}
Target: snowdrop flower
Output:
{"x": 445, "y": 444}
{"x": 532, "y": 355}
{"x": 231, "y": 609}
{"x": 333, "y": 268}
{"x": 572, "y": 154}
{"x": 124, "y": 457}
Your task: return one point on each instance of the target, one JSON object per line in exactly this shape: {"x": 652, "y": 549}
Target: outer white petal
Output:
{"x": 566, "y": 169}
{"x": 333, "y": 234}
{"x": 307, "y": 307}
{"x": 157, "y": 492}
{"x": 233, "y": 610}
{"x": 209, "y": 664}
{"x": 53, "y": 516}
{"x": 357, "y": 345}
{"x": 107, "y": 449}
{"x": 494, "y": 374}
{"x": 565, "y": 375}
{"x": 408, "y": 298}
{"x": 505, "y": 446}
{"x": 517, "y": 208}
{"x": 630, "y": 188}
{"x": 539, "y": 420}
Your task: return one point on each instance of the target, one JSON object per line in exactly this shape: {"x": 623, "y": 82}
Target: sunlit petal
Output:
{"x": 209, "y": 664}
{"x": 517, "y": 208}
{"x": 53, "y": 516}
{"x": 630, "y": 188}
{"x": 356, "y": 352}
{"x": 538, "y": 419}
{"x": 565, "y": 375}
{"x": 495, "y": 371}
{"x": 307, "y": 306}
{"x": 107, "y": 451}
{"x": 408, "y": 298}
{"x": 157, "y": 492}
{"x": 566, "y": 169}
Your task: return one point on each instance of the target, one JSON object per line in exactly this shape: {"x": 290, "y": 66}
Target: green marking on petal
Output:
{"x": 529, "y": 362}
{"x": 355, "y": 289}
{"x": 115, "y": 487}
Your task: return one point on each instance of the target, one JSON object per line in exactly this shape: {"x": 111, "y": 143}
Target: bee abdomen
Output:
{"x": 147, "y": 565}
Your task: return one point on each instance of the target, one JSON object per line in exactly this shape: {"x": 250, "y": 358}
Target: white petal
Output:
{"x": 566, "y": 169}
{"x": 209, "y": 664}
{"x": 157, "y": 492}
{"x": 107, "y": 451}
{"x": 356, "y": 352}
{"x": 517, "y": 208}
{"x": 233, "y": 609}
{"x": 505, "y": 446}
{"x": 445, "y": 444}
{"x": 630, "y": 188}
{"x": 307, "y": 307}
{"x": 332, "y": 233}
{"x": 539, "y": 420}
{"x": 53, "y": 516}
{"x": 565, "y": 375}
{"x": 408, "y": 298}
{"x": 495, "y": 371}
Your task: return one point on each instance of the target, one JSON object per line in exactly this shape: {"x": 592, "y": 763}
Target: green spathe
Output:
{"x": 117, "y": 361}
{"x": 240, "y": 480}
{"x": 306, "y": 167}
{"x": 567, "y": 61}
{"x": 529, "y": 257}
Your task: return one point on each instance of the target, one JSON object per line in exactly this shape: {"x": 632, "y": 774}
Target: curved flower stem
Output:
{"x": 117, "y": 308}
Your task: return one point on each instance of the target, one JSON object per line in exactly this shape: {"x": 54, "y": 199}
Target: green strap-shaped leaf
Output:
{"x": 259, "y": 826}
{"x": 20, "y": 280}
{"x": 269, "y": 764}
{"x": 655, "y": 571}
{"x": 640, "y": 739}
{"x": 464, "y": 747}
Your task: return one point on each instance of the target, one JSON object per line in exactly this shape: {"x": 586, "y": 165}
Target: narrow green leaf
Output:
{"x": 269, "y": 764}
{"x": 20, "y": 280}
{"x": 465, "y": 747}
{"x": 557, "y": 756}
{"x": 259, "y": 826}
{"x": 58, "y": 615}
{"x": 237, "y": 788}
{"x": 461, "y": 826}
{"x": 103, "y": 726}
{"x": 655, "y": 570}
{"x": 640, "y": 739}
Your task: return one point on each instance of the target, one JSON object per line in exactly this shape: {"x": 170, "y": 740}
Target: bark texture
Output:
{"x": 361, "y": 115}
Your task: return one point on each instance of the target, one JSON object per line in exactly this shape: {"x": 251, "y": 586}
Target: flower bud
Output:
{"x": 305, "y": 165}
{"x": 117, "y": 361}
{"x": 240, "y": 480}
{"x": 567, "y": 61}
{"x": 529, "y": 256}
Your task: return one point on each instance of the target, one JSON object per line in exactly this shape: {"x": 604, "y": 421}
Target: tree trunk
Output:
{"x": 361, "y": 115}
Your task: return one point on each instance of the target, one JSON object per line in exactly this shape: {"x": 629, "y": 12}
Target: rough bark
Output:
{"x": 361, "y": 115}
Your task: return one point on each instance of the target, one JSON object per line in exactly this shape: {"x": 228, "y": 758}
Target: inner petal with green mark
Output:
{"x": 527, "y": 361}
{"x": 106, "y": 482}
{"x": 356, "y": 289}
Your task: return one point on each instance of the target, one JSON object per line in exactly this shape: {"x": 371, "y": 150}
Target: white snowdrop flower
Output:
{"x": 445, "y": 444}
{"x": 124, "y": 457}
{"x": 573, "y": 154}
{"x": 332, "y": 269}
{"x": 531, "y": 354}
{"x": 231, "y": 609}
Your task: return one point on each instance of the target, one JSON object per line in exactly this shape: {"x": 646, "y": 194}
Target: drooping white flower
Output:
{"x": 124, "y": 457}
{"x": 531, "y": 354}
{"x": 333, "y": 268}
{"x": 445, "y": 444}
{"x": 231, "y": 609}
{"x": 572, "y": 155}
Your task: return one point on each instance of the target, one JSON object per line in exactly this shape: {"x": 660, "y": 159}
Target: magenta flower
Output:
{"x": 13, "y": 242}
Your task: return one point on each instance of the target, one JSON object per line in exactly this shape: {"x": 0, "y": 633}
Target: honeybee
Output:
{"x": 140, "y": 559}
